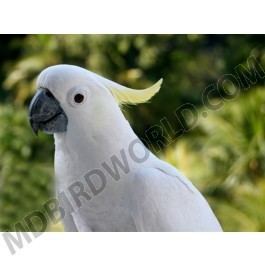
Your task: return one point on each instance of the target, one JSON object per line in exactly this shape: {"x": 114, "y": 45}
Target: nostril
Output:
{"x": 48, "y": 94}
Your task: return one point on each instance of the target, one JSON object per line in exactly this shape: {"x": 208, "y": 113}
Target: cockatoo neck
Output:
{"x": 89, "y": 144}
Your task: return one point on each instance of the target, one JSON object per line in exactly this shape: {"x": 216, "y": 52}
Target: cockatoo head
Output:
{"x": 69, "y": 96}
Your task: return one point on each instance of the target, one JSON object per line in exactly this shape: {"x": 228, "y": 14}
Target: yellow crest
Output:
{"x": 125, "y": 95}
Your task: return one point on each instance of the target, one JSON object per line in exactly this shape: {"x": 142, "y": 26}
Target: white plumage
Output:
{"x": 149, "y": 195}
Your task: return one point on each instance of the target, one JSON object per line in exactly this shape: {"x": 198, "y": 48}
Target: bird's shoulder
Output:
{"x": 162, "y": 199}
{"x": 162, "y": 175}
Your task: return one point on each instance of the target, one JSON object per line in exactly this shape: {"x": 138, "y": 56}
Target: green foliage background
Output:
{"x": 223, "y": 155}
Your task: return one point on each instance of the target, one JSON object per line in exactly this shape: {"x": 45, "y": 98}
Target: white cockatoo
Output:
{"x": 106, "y": 179}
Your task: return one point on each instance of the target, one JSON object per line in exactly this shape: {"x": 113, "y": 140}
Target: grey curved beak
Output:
{"x": 46, "y": 114}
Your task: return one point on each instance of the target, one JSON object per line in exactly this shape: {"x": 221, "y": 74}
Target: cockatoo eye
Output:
{"x": 77, "y": 96}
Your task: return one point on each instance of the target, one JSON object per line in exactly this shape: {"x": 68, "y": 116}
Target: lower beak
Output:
{"x": 46, "y": 114}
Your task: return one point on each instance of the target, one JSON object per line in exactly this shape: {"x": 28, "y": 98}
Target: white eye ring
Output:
{"x": 77, "y": 96}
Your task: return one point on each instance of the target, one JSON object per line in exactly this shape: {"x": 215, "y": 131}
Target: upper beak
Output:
{"x": 45, "y": 113}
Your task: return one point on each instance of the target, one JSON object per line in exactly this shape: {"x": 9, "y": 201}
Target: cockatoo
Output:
{"x": 109, "y": 179}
